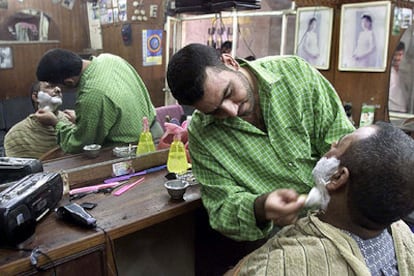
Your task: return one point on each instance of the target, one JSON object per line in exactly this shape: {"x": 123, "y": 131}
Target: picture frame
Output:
{"x": 68, "y": 4}
{"x": 313, "y": 35}
{"x": 363, "y": 36}
{"x": 6, "y": 57}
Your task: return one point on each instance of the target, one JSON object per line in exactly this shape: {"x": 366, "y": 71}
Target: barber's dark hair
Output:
{"x": 381, "y": 186}
{"x": 186, "y": 71}
{"x": 58, "y": 64}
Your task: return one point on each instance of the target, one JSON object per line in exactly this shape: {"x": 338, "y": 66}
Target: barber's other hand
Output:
{"x": 46, "y": 118}
{"x": 282, "y": 206}
{"x": 70, "y": 115}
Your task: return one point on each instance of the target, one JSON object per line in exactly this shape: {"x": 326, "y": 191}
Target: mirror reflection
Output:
{"x": 27, "y": 25}
{"x": 401, "y": 87}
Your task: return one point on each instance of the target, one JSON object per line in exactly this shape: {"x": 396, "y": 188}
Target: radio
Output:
{"x": 12, "y": 169}
{"x": 25, "y": 202}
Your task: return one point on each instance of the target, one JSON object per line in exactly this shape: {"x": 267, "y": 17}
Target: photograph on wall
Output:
{"x": 152, "y": 47}
{"x": 363, "y": 38}
{"x": 6, "y": 58}
{"x": 314, "y": 35}
{"x": 406, "y": 16}
{"x": 68, "y": 4}
{"x": 122, "y": 10}
{"x": 4, "y": 4}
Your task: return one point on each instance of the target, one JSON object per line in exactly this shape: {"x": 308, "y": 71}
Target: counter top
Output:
{"x": 143, "y": 206}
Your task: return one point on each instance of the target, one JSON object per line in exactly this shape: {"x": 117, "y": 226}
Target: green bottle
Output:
{"x": 177, "y": 158}
{"x": 145, "y": 143}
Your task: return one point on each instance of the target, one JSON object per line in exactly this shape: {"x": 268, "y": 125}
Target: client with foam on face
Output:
{"x": 365, "y": 185}
{"x": 29, "y": 138}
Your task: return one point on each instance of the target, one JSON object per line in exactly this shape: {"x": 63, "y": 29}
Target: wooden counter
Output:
{"x": 70, "y": 246}
{"x": 71, "y": 161}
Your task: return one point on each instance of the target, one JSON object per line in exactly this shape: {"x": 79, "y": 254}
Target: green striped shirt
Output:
{"x": 236, "y": 162}
{"x": 111, "y": 101}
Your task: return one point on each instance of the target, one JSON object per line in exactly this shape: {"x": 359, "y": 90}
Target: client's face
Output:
{"x": 329, "y": 164}
{"x": 49, "y": 97}
{"x": 53, "y": 91}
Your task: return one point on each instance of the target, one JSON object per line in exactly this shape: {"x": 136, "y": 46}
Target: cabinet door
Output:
{"x": 91, "y": 262}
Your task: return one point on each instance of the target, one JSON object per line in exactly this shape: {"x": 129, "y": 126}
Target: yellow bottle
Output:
{"x": 145, "y": 143}
{"x": 177, "y": 159}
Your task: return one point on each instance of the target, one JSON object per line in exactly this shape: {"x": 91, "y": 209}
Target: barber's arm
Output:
{"x": 280, "y": 206}
{"x": 89, "y": 126}
{"x": 229, "y": 204}
{"x": 70, "y": 115}
{"x": 46, "y": 118}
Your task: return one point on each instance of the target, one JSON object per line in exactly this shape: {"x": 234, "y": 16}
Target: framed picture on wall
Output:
{"x": 314, "y": 35}
{"x": 363, "y": 38}
{"x": 6, "y": 57}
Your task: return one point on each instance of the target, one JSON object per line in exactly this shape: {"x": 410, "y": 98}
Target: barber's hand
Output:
{"x": 70, "y": 115}
{"x": 46, "y": 118}
{"x": 282, "y": 206}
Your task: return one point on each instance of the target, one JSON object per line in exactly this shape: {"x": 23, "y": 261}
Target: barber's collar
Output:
{"x": 265, "y": 78}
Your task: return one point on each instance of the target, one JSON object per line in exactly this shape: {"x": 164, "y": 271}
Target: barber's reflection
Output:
{"x": 398, "y": 94}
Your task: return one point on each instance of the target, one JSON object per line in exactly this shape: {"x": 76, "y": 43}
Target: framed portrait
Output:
{"x": 314, "y": 35}
{"x": 363, "y": 38}
{"x": 6, "y": 57}
{"x": 68, "y": 4}
{"x": 4, "y": 4}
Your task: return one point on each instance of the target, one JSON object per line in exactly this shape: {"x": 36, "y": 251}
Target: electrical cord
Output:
{"x": 244, "y": 40}
{"x": 34, "y": 255}
{"x": 36, "y": 252}
{"x": 111, "y": 245}
{"x": 34, "y": 258}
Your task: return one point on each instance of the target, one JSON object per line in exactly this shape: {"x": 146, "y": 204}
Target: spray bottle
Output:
{"x": 145, "y": 143}
{"x": 177, "y": 158}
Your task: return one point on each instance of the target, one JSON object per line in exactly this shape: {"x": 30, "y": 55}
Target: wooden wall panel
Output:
{"x": 69, "y": 27}
{"x": 153, "y": 76}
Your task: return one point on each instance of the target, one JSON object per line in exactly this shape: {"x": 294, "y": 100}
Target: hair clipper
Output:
{"x": 76, "y": 214}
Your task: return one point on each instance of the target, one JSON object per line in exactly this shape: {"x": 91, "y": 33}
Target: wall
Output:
{"x": 71, "y": 31}
{"x": 153, "y": 76}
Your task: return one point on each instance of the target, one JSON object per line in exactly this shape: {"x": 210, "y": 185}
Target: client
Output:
{"x": 370, "y": 188}
{"x": 29, "y": 138}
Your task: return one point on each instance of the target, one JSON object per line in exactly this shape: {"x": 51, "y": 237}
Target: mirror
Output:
{"x": 401, "y": 93}
{"x": 28, "y": 25}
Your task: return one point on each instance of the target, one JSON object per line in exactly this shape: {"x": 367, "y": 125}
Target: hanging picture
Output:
{"x": 68, "y": 4}
{"x": 314, "y": 35}
{"x": 122, "y": 10}
{"x": 363, "y": 41}
{"x": 152, "y": 47}
{"x": 4, "y": 4}
{"x": 6, "y": 57}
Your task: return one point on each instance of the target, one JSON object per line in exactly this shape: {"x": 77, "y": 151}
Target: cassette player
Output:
{"x": 12, "y": 168}
{"x": 25, "y": 202}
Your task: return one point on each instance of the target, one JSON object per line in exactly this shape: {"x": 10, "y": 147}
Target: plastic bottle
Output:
{"x": 145, "y": 143}
{"x": 177, "y": 159}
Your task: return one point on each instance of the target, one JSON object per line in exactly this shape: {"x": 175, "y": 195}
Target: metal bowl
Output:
{"x": 176, "y": 188}
{"x": 124, "y": 151}
{"x": 92, "y": 151}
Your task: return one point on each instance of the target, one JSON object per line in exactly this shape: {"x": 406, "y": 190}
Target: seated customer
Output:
{"x": 361, "y": 231}
{"x": 29, "y": 138}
